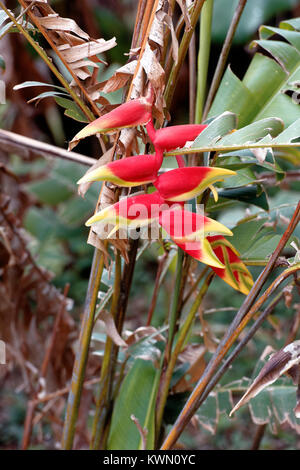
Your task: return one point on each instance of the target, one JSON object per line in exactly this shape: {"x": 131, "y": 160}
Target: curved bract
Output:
{"x": 172, "y": 137}
{"x": 199, "y": 236}
{"x": 234, "y": 272}
{"x": 182, "y": 184}
{"x": 132, "y": 113}
{"x": 127, "y": 172}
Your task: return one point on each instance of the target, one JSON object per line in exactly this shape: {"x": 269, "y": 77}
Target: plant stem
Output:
{"x": 192, "y": 79}
{"x": 225, "y": 365}
{"x": 183, "y": 48}
{"x": 231, "y": 148}
{"x": 223, "y": 56}
{"x": 167, "y": 375}
{"x": 200, "y": 391}
{"x": 82, "y": 353}
{"x": 175, "y": 301}
{"x": 233, "y": 332}
{"x": 161, "y": 263}
{"x": 259, "y": 434}
{"x": 15, "y": 142}
{"x": 203, "y": 56}
{"x": 106, "y": 377}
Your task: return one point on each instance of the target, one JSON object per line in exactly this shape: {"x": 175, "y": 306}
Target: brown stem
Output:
{"x": 50, "y": 348}
{"x": 23, "y": 145}
{"x": 183, "y": 48}
{"x": 225, "y": 365}
{"x": 156, "y": 288}
{"x": 192, "y": 79}
{"x": 259, "y": 434}
{"x": 236, "y": 326}
{"x": 169, "y": 367}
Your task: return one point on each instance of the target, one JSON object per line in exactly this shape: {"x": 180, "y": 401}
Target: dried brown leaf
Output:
{"x": 143, "y": 332}
{"x": 279, "y": 363}
{"x": 167, "y": 20}
{"x": 194, "y": 354}
{"x": 118, "y": 79}
{"x": 87, "y": 49}
{"x": 57, "y": 23}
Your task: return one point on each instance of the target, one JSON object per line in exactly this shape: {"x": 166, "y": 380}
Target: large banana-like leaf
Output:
{"x": 255, "y": 13}
{"x": 136, "y": 398}
{"x": 264, "y": 134}
{"x": 270, "y": 85}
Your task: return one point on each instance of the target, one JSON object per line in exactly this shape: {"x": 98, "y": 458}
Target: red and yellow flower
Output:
{"x": 190, "y": 230}
{"x": 182, "y": 184}
{"x": 199, "y": 236}
{"x": 127, "y": 172}
{"x": 234, "y": 271}
{"x": 132, "y": 113}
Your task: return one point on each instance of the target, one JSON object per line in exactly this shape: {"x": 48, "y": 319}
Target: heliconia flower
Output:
{"x": 235, "y": 272}
{"x": 182, "y": 184}
{"x": 131, "y": 212}
{"x": 170, "y": 138}
{"x": 127, "y": 172}
{"x": 132, "y": 113}
{"x": 189, "y": 231}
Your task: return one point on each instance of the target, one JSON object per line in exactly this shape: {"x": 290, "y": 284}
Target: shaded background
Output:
{"x": 48, "y": 249}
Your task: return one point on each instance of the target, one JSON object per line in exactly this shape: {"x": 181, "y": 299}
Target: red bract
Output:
{"x": 188, "y": 230}
{"x": 132, "y": 212}
{"x": 173, "y": 137}
{"x": 127, "y": 172}
{"x": 235, "y": 272}
{"x": 183, "y": 184}
{"x": 132, "y": 113}
{"x": 184, "y": 226}
{"x": 193, "y": 233}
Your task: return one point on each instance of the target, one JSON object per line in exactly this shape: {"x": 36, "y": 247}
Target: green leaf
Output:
{"x": 253, "y": 132}
{"x": 207, "y": 414}
{"x": 50, "y": 191}
{"x": 263, "y": 134}
{"x": 217, "y": 128}
{"x": 47, "y": 94}
{"x": 255, "y": 13}
{"x": 72, "y": 110}
{"x": 245, "y": 159}
{"x": 39, "y": 84}
{"x": 136, "y": 397}
{"x": 254, "y": 241}
{"x": 250, "y": 195}
{"x": 2, "y": 64}
{"x": 263, "y": 90}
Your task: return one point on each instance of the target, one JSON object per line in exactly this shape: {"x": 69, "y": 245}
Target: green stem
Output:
{"x": 231, "y": 148}
{"x": 83, "y": 348}
{"x": 203, "y": 56}
{"x": 175, "y": 301}
{"x": 167, "y": 376}
{"x": 106, "y": 377}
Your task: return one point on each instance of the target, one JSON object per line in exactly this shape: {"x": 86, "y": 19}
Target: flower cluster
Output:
{"x": 196, "y": 234}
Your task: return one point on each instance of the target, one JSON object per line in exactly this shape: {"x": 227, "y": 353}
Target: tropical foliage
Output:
{"x": 157, "y": 315}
